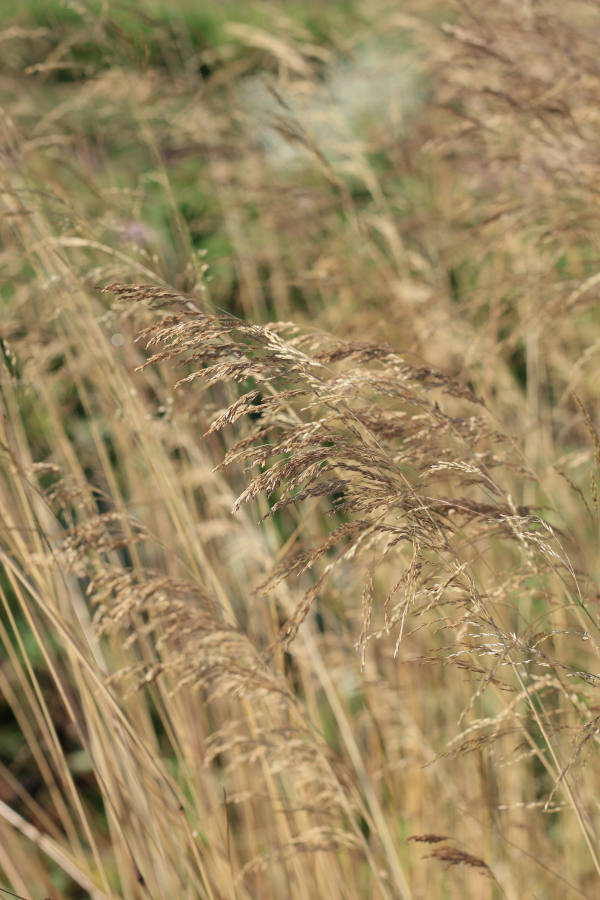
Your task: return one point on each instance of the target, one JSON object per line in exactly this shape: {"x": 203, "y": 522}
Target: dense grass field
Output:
{"x": 299, "y": 450}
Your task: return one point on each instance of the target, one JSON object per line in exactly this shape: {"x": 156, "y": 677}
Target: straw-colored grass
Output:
{"x": 299, "y": 453}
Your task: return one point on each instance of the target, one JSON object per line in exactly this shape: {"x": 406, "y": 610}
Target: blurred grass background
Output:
{"x": 419, "y": 175}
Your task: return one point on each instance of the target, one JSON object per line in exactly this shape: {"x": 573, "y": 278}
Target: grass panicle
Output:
{"x": 299, "y": 450}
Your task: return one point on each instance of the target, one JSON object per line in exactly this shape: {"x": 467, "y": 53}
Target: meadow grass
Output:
{"x": 299, "y": 451}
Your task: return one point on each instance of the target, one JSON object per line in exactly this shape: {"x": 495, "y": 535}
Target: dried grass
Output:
{"x": 301, "y": 561}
